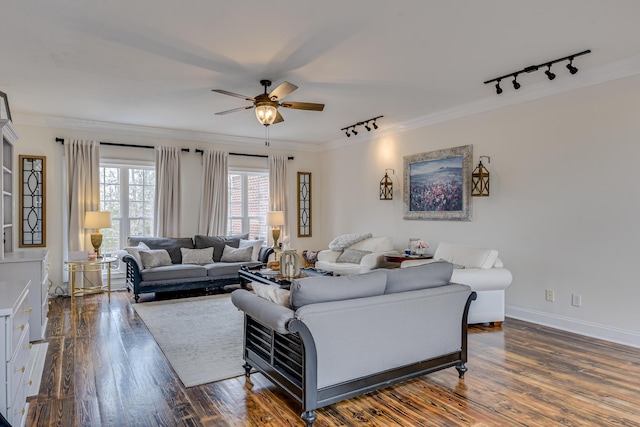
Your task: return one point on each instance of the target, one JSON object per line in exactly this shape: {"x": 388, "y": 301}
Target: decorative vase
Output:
{"x": 290, "y": 264}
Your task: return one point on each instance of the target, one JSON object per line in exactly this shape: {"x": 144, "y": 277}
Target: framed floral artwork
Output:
{"x": 437, "y": 184}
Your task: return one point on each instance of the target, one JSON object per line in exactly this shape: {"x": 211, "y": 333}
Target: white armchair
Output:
{"x": 483, "y": 271}
{"x": 334, "y": 260}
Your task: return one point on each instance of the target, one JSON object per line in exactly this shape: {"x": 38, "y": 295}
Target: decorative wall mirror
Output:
{"x": 304, "y": 204}
{"x": 32, "y": 201}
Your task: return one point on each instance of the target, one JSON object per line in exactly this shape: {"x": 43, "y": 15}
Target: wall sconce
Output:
{"x": 386, "y": 186}
{"x": 480, "y": 179}
{"x": 531, "y": 68}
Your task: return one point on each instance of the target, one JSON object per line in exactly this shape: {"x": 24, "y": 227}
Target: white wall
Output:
{"x": 563, "y": 209}
{"x": 39, "y": 140}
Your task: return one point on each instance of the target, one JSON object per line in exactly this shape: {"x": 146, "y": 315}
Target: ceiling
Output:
{"x": 153, "y": 63}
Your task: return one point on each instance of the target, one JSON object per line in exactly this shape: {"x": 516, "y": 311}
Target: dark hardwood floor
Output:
{"x": 103, "y": 368}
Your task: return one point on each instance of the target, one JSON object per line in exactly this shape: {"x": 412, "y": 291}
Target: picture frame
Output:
{"x": 33, "y": 201}
{"x": 304, "y": 204}
{"x": 437, "y": 184}
{"x": 5, "y": 112}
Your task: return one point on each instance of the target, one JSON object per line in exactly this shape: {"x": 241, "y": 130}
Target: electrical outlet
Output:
{"x": 548, "y": 295}
{"x": 576, "y": 300}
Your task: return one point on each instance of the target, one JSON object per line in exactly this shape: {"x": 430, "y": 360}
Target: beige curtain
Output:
{"x": 167, "y": 201}
{"x": 278, "y": 189}
{"x": 213, "y": 203}
{"x": 82, "y": 161}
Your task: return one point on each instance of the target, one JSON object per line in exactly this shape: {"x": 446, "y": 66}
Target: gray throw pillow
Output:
{"x": 352, "y": 256}
{"x": 197, "y": 256}
{"x": 134, "y": 251}
{"x": 418, "y": 277}
{"x": 236, "y": 255}
{"x": 155, "y": 258}
{"x": 218, "y": 243}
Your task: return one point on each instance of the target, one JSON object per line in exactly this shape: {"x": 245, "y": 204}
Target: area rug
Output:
{"x": 201, "y": 337}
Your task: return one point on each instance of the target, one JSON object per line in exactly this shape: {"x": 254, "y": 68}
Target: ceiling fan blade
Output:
{"x": 237, "y": 95}
{"x": 234, "y": 110}
{"x": 303, "y": 106}
{"x": 281, "y": 91}
{"x": 278, "y": 119}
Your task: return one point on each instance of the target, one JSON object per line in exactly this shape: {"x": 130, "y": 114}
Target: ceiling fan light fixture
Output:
{"x": 266, "y": 113}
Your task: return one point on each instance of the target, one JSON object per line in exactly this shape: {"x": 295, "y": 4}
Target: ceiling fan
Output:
{"x": 266, "y": 104}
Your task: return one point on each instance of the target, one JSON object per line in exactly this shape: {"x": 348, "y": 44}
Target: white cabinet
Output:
{"x": 15, "y": 375}
{"x": 9, "y": 137}
{"x": 31, "y": 265}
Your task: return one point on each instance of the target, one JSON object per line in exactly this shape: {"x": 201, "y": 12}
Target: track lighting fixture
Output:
{"x": 549, "y": 74}
{"x": 351, "y": 129}
{"x": 516, "y": 85}
{"x": 531, "y": 68}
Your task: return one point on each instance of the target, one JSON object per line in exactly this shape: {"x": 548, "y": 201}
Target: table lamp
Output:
{"x": 96, "y": 220}
{"x": 275, "y": 219}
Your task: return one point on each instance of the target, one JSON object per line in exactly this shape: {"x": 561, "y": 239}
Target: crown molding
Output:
{"x": 588, "y": 77}
{"x": 59, "y": 122}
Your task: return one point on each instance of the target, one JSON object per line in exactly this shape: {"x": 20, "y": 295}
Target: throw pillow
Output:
{"x": 197, "y": 256}
{"x": 155, "y": 258}
{"x": 255, "y": 244}
{"x": 218, "y": 243}
{"x": 236, "y": 255}
{"x": 134, "y": 251}
{"x": 352, "y": 256}
{"x": 345, "y": 240}
{"x": 272, "y": 293}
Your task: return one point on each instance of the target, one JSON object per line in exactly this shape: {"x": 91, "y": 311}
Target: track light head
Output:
{"x": 516, "y": 85}
{"x": 549, "y": 74}
{"x": 354, "y": 131}
{"x": 570, "y": 67}
{"x": 367, "y": 127}
{"x": 375, "y": 126}
{"x": 498, "y": 88}
{"x": 347, "y": 133}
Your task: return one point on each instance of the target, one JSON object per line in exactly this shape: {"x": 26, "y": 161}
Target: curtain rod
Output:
{"x": 114, "y": 144}
{"x": 197, "y": 150}
{"x": 245, "y": 154}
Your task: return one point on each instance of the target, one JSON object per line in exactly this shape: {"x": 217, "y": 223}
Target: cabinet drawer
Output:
{"x": 17, "y": 410}
{"x": 17, "y": 366}
{"x": 19, "y": 324}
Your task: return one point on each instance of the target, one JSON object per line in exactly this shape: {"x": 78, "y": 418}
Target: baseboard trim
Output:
{"x": 593, "y": 330}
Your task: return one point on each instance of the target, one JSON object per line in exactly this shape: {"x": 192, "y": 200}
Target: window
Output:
{"x": 248, "y": 203}
{"x": 128, "y": 192}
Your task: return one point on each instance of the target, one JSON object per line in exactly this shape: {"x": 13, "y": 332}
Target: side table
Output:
{"x": 400, "y": 258}
{"x": 89, "y": 265}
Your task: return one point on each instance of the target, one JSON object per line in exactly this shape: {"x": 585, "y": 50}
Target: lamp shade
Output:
{"x": 266, "y": 113}
{"x": 275, "y": 218}
{"x": 97, "y": 219}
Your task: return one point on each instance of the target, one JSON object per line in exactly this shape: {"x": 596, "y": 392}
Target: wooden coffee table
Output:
{"x": 254, "y": 275}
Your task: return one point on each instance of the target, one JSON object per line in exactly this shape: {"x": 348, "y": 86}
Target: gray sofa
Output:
{"x": 178, "y": 276}
{"x": 349, "y": 335}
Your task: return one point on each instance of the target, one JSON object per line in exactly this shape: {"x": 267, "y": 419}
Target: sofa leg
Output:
{"x": 247, "y": 370}
{"x": 496, "y": 324}
{"x": 136, "y": 297}
{"x": 461, "y": 370}
{"x": 309, "y": 417}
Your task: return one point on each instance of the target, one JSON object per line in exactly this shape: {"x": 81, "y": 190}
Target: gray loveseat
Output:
{"x": 177, "y": 276}
{"x": 349, "y": 335}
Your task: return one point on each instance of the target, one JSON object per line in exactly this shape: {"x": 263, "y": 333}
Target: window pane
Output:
{"x": 248, "y": 203}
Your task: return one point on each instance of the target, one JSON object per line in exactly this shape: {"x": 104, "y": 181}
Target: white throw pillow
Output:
{"x": 272, "y": 293}
{"x": 255, "y": 244}
{"x": 155, "y": 258}
{"x": 236, "y": 254}
{"x": 134, "y": 251}
{"x": 197, "y": 256}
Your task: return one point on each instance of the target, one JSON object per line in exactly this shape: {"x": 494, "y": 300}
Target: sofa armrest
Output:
{"x": 273, "y": 315}
{"x": 265, "y": 251}
{"x": 328, "y": 255}
{"x": 374, "y": 260}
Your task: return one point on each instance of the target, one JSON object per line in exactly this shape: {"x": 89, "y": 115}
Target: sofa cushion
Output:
{"x": 236, "y": 254}
{"x": 134, "y": 251}
{"x": 155, "y": 258}
{"x": 465, "y": 255}
{"x": 197, "y": 256}
{"x": 171, "y": 244}
{"x": 226, "y": 270}
{"x": 218, "y": 243}
{"x": 418, "y": 277}
{"x": 272, "y": 293}
{"x": 312, "y": 290}
{"x": 174, "y": 272}
{"x": 255, "y": 244}
{"x": 353, "y": 256}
